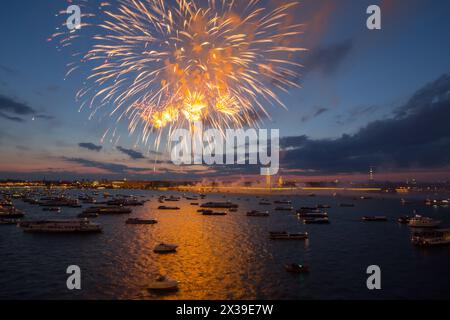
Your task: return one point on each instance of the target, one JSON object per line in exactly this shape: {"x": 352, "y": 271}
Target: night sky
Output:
{"x": 369, "y": 98}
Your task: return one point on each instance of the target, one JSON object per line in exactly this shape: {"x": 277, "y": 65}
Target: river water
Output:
{"x": 228, "y": 257}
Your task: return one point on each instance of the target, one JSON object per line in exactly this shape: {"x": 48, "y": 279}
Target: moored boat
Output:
{"x": 141, "y": 221}
{"x": 219, "y": 205}
{"x": 165, "y": 248}
{"x": 288, "y": 236}
{"x": 60, "y": 226}
{"x": 284, "y": 208}
{"x": 168, "y": 208}
{"x": 423, "y": 222}
{"x": 163, "y": 283}
{"x": 375, "y": 218}
{"x": 316, "y": 221}
{"x": 256, "y": 213}
{"x": 438, "y": 237}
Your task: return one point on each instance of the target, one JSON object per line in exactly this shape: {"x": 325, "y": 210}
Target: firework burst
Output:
{"x": 166, "y": 64}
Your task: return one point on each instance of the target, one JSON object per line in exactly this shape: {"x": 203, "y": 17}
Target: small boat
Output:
{"x": 88, "y": 215}
{"x": 323, "y": 206}
{"x": 316, "y": 221}
{"x": 256, "y": 213}
{"x": 265, "y": 203}
{"x": 165, "y": 248}
{"x": 52, "y": 209}
{"x": 168, "y": 208}
{"x": 163, "y": 283}
{"x": 423, "y": 222}
{"x": 309, "y": 210}
{"x": 173, "y": 199}
{"x": 141, "y": 221}
{"x": 194, "y": 204}
{"x": 288, "y": 236}
{"x": 233, "y": 210}
{"x": 213, "y": 213}
{"x": 220, "y": 205}
{"x": 296, "y": 268}
{"x": 314, "y": 214}
{"x": 375, "y": 218}
{"x": 283, "y": 202}
{"x": 284, "y": 208}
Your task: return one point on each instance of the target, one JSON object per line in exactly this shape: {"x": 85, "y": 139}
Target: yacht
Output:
{"x": 423, "y": 222}
{"x": 141, "y": 221}
{"x": 165, "y": 248}
{"x": 212, "y": 213}
{"x": 374, "y": 218}
{"x": 436, "y": 237}
{"x": 219, "y": 205}
{"x": 314, "y": 214}
{"x": 163, "y": 283}
{"x": 316, "y": 221}
{"x": 168, "y": 208}
{"x": 256, "y": 213}
{"x": 52, "y": 209}
{"x": 283, "y": 202}
{"x": 284, "y": 208}
{"x": 60, "y": 226}
{"x": 108, "y": 210}
{"x": 288, "y": 236}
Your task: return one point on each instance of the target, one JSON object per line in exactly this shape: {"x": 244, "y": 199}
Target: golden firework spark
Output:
{"x": 165, "y": 64}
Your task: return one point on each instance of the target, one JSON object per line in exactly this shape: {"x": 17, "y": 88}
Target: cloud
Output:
{"x": 90, "y": 146}
{"x": 8, "y": 70}
{"x": 9, "y": 105}
{"x": 135, "y": 155}
{"x": 328, "y": 59}
{"x": 113, "y": 168}
{"x": 317, "y": 112}
{"x": 11, "y": 118}
{"x": 416, "y": 136}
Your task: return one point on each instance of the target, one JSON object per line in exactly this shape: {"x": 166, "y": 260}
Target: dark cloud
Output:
{"x": 90, "y": 146}
{"x": 14, "y": 110}
{"x": 317, "y": 112}
{"x": 9, "y": 105}
{"x": 135, "y": 155}
{"x": 8, "y": 70}
{"x": 417, "y": 136}
{"x": 328, "y": 59}
{"x": 44, "y": 117}
{"x": 11, "y": 118}
{"x": 113, "y": 168}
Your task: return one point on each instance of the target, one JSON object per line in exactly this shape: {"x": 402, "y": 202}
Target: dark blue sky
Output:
{"x": 354, "y": 80}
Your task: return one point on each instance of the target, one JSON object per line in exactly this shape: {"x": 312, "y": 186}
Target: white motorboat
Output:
{"x": 423, "y": 222}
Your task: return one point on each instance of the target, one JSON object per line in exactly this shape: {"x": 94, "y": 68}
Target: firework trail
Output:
{"x": 166, "y": 64}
